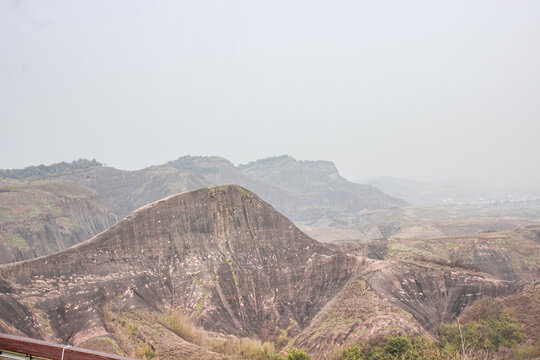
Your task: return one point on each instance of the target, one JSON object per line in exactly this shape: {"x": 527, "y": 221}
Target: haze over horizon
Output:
{"x": 419, "y": 90}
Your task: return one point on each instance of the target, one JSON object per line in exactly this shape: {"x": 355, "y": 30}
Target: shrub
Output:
{"x": 280, "y": 341}
{"x": 405, "y": 348}
{"x": 351, "y": 353}
{"x": 494, "y": 329}
{"x": 297, "y": 354}
{"x": 143, "y": 351}
{"x": 398, "y": 345}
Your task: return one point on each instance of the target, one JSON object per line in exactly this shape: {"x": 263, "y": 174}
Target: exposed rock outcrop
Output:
{"x": 221, "y": 254}
{"x": 124, "y": 191}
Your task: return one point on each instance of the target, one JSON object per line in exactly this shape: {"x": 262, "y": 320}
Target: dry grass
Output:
{"x": 243, "y": 348}
{"x": 103, "y": 343}
{"x": 182, "y": 326}
{"x": 143, "y": 351}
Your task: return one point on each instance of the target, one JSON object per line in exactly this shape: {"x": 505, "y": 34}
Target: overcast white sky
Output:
{"x": 415, "y": 89}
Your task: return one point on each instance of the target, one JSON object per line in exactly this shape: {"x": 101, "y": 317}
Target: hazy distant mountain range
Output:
{"x": 307, "y": 192}
{"x": 453, "y": 191}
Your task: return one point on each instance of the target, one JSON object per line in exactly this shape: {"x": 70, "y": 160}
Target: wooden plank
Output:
{"x": 50, "y": 350}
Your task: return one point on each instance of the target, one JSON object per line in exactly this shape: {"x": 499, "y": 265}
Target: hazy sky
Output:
{"x": 416, "y": 89}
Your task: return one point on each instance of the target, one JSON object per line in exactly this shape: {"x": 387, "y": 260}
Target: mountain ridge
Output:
{"x": 331, "y": 200}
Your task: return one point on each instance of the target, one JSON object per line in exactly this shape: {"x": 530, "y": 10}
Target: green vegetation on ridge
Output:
{"x": 61, "y": 168}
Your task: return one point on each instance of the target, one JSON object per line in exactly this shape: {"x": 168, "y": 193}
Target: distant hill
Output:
{"x": 306, "y": 191}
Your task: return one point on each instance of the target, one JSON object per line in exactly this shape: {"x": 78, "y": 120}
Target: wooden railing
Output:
{"x": 17, "y": 347}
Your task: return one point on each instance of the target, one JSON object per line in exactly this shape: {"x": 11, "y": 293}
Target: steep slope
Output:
{"x": 433, "y": 295}
{"x": 327, "y": 195}
{"x": 42, "y": 217}
{"x": 222, "y": 255}
{"x": 424, "y": 283}
{"x": 305, "y": 191}
{"x": 356, "y": 313}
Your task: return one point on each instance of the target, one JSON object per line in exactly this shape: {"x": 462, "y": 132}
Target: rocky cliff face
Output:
{"x": 222, "y": 255}
{"x": 44, "y": 217}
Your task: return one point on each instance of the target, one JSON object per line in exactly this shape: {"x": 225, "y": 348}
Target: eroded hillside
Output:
{"x": 221, "y": 255}
{"x": 42, "y": 217}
